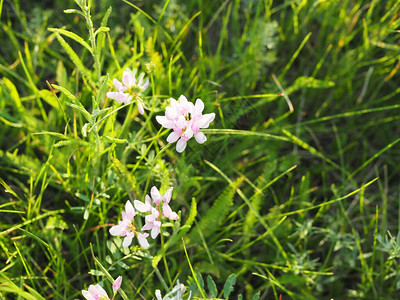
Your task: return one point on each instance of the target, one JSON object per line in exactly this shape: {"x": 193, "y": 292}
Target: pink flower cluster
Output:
{"x": 185, "y": 119}
{"x": 130, "y": 88}
{"x": 96, "y": 292}
{"x": 160, "y": 207}
{"x": 126, "y": 228}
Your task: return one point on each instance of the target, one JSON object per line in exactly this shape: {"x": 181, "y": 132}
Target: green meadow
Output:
{"x": 288, "y": 184}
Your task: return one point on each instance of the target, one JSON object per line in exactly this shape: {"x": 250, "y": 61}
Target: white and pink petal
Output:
{"x": 164, "y": 122}
{"x": 142, "y": 238}
{"x": 173, "y": 137}
{"x": 120, "y": 87}
{"x": 130, "y": 211}
{"x": 200, "y": 137}
{"x": 117, "y": 230}
{"x": 181, "y": 145}
{"x": 198, "y": 107}
{"x": 155, "y": 195}
{"x": 155, "y": 230}
{"x": 140, "y": 107}
{"x": 205, "y": 120}
{"x": 127, "y": 240}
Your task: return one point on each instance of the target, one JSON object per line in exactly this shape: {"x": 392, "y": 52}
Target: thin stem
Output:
{"x": 107, "y": 115}
{"x": 92, "y": 39}
{"x": 164, "y": 257}
{"x": 161, "y": 278}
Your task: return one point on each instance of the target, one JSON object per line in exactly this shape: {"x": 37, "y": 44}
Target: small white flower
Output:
{"x": 130, "y": 88}
{"x": 175, "y": 294}
{"x": 126, "y": 228}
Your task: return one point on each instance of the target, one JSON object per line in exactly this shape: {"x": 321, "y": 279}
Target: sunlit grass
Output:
{"x": 295, "y": 191}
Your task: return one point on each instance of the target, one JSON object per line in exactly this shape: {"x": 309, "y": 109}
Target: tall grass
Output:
{"x": 295, "y": 191}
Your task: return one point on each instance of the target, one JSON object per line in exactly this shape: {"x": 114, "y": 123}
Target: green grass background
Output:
{"x": 296, "y": 189}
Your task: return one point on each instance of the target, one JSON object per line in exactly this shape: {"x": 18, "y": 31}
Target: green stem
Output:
{"x": 154, "y": 162}
{"x": 107, "y": 115}
{"x": 92, "y": 39}
{"x": 127, "y": 121}
{"x": 164, "y": 257}
{"x": 161, "y": 278}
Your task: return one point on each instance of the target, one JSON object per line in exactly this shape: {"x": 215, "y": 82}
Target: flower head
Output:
{"x": 175, "y": 294}
{"x": 158, "y": 208}
{"x": 126, "y": 228}
{"x": 95, "y": 292}
{"x": 186, "y": 120}
{"x": 130, "y": 88}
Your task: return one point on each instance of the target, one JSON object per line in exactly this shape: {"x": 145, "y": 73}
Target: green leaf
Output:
{"x": 215, "y": 216}
{"x": 101, "y": 29}
{"x": 73, "y": 11}
{"x": 212, "y": 287}
{"x": 71, "y": 142}
{"x": 192, "y": 213}
{"x": 56, "y": 222}
{"x": 76, "y": 103}
{"x": 114, "y": 140}
{"x": 65, "y": 92}
{"x": 49, "y": 97}
{"x": 228, "y": 286}
{"x": 73, "y": 56}
{"x": 101, "y": 95}
{"x": 13, "y": 93}
{"x": 96, "y": 272}
{"x": 61, "y": 74}
{"x": 309, "y": 82}
{"x": 256, "y": 296}
{"x": 73, "y": 36}
{"x": 129, "y": 180}
{"x": 200, "y": 280}
{"x": 106, "y": 16}
{"x": 84, "y": 112}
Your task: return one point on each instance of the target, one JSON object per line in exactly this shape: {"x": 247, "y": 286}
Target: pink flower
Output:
{"x": 126, "y": 228}
{"x": 95, "y": 292}
{"x": 153, "y": 220}
{"x": 130, "y": 88}
{"x": 165, "y": 199}
{"x": 186, "y": 120}
{"x": 168, "y": 213}
{"x": 157, "y": 198}
{"x": 142, "y": 238}
{"x": 143, "y": 207}
{"x": 153, "y": 223}
{"x": 117, "y": 284}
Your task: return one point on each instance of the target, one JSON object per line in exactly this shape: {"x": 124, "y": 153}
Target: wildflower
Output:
{"x": 143, "y": 207}
{"x": 175, "y": 294}
{"x": 117, "y": 284}
{"x": 157, "y": 198}
{"x": 166, "y": 198}
{"x": 130, "y": 88}
{"x": 95, "y": 292}
{"x": 153, "y": 220}
{"x": 126, "y": 227}
{"x": 153, "y": 223}
{"x": 186, "y": 120}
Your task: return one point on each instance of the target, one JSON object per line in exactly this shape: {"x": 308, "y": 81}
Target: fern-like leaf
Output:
{"x": 215, "y": 216}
